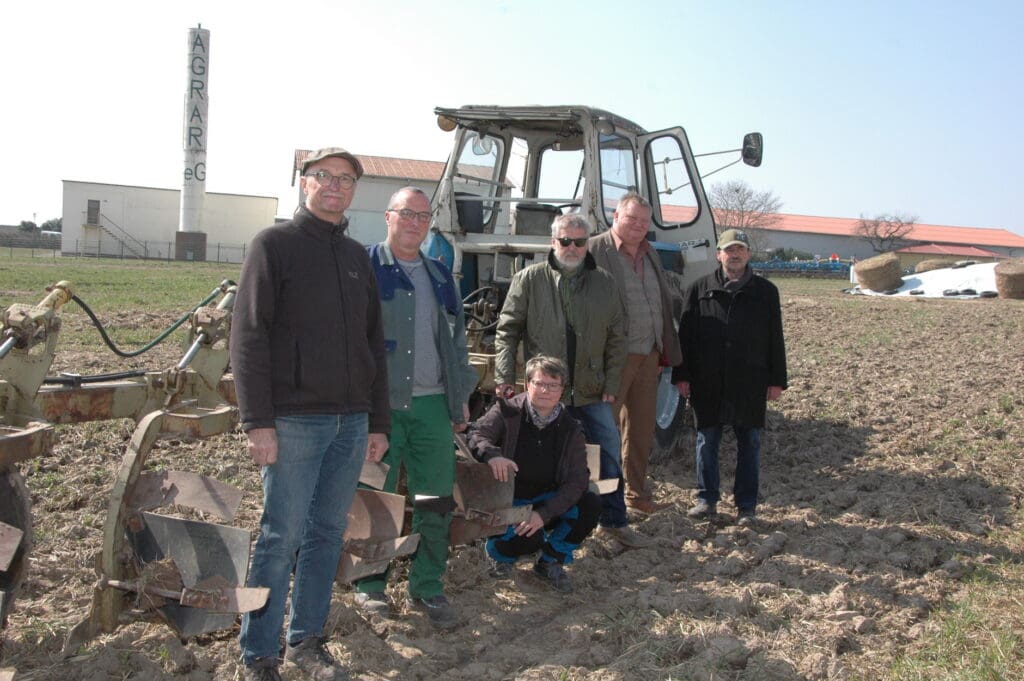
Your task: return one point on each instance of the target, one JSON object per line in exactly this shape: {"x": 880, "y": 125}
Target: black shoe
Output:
{"x": 263, "y": 669}
{"x": 437, "y": 608}
{"x": 554, "y": 574}
{"x": 746, "y": 518}
{"x": 373, "y": 603}
{"x": 702, "y": 509}
{"x": 316, "y": 663}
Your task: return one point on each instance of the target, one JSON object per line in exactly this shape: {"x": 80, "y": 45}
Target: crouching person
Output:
{"x": 532, "y": 439}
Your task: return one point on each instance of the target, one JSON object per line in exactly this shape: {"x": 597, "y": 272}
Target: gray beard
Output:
{"x": 566, "y": 267}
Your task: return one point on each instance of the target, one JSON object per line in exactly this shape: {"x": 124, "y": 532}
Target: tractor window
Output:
{"x": 561, "y": 175}
{"x": 618, "y": 171}
{"x": 675, "y": 201}
{"x": 477, "y": 170}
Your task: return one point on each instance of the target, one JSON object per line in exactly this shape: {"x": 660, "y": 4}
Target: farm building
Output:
{"x": 824, "y": 236}
{"x": 140, "y": 222}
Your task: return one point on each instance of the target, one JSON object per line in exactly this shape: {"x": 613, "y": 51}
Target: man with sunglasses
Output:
{"x": 430, "y": 384}
{"x": 566, "y": 307}
{"x": 307, "y": 353}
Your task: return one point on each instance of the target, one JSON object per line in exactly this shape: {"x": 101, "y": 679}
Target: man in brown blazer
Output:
{"x": 652, "y": 339}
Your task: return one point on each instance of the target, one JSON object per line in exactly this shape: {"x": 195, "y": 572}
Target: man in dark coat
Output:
{"x": 734, "y": 361}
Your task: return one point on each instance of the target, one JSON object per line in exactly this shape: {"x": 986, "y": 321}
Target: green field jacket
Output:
{"x": 534, "y": 317}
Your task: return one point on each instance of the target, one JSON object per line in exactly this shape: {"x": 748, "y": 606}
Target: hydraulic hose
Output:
{"x": 159, "y": 339}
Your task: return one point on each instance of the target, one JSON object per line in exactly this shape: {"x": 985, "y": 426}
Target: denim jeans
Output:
{"x": 748, "y": 464}
{"x": 306, "y": 496}
{"x": 600, "y": 428}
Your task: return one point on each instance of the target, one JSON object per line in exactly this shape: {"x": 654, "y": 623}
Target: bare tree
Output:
{"x": 885, "y": 232}
{"x": 738, "y": 206}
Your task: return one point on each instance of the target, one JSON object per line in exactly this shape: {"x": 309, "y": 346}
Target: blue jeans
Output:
{"x": 306, "y": 496}
{"x": 748, "y": 464}
{"x": 600, "y": 428}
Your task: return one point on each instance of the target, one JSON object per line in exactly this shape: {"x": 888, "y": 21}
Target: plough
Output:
{"x": 189, "y": 574}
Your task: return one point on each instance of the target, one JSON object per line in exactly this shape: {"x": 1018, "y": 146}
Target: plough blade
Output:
{"x": 15, "y": 537}
{"x": 201, "y": 492}
{"x": 484, "y": 504}
{"x": 10, "y": 540}
{"x": 221, "y": 599}
{"x": 360, "y": 560}
{"x": 374, "y": 474}
{"x": 200, "y": 551}
{"x": 234, "y": 600}
{"x": 373, "y": 536}
{"x": 598, "y": 486}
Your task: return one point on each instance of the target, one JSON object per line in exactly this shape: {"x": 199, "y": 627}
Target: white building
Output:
{"x": 124, "y": 221}
{"x": 113, "y": 220}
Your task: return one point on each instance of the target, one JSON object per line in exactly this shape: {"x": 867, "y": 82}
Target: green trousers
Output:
{"x": 422, "y": 442}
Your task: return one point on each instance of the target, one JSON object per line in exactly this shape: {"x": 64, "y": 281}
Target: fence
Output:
{"x": 33, "y": 239}
{"x": 803, "y": 268}
{"x": 149, "y": 250}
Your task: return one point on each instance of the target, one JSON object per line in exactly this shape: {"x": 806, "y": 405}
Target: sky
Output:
{"x": 866, "y": 108}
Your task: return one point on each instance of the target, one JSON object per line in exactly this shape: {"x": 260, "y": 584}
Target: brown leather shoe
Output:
{"x": 646, "y": 505}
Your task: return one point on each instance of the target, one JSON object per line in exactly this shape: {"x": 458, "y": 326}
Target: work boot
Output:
{"x": 646, "y": 506}
{"x": 263, "y": 669}
{"x": 373, "y": 603}
{"x": 702, "y": 509}
{"x": 746, "y": 517}
{"x": 628, "y": 537}
{"x": 437, "y": 608}
{"x": 554, "y": 574}
{"x": 316, "y": 663}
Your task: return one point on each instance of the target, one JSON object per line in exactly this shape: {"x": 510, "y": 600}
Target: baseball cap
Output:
{"x": 733, "y": 236}
{"x": 328, "y": 152}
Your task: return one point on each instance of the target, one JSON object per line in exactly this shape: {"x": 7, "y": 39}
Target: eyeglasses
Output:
{"x": 544, "y": 386}
{"x": 406, "y": 214}
{"x": 326, "y": 179}
{"x": 565, "y": 241}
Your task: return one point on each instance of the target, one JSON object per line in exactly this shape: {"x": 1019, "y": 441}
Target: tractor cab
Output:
{"x": 512, "y": 170}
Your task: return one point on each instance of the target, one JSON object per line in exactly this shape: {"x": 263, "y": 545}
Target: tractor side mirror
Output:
{"x": 753, "y": 148}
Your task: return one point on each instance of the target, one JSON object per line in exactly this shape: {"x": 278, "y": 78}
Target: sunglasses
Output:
{"x": 565, "y": 241}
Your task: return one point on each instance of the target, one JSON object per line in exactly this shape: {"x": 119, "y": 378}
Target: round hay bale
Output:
{"x": 880, "y": 273}
{"x": 929, "y": 265}
{"x": 1010, "y": 278}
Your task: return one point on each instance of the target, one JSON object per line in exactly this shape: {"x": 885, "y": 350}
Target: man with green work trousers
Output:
{"x": 734, "y": 362}
{"x": 430, "y": 384}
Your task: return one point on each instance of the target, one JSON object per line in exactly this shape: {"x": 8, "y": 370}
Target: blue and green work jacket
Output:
{"x": 398, "y": 309}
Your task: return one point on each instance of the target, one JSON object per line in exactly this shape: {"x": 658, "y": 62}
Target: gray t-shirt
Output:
{"x": 427, "y": 363}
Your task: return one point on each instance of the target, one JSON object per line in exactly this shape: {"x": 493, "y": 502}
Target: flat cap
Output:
{"x": 328, "y": 152}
